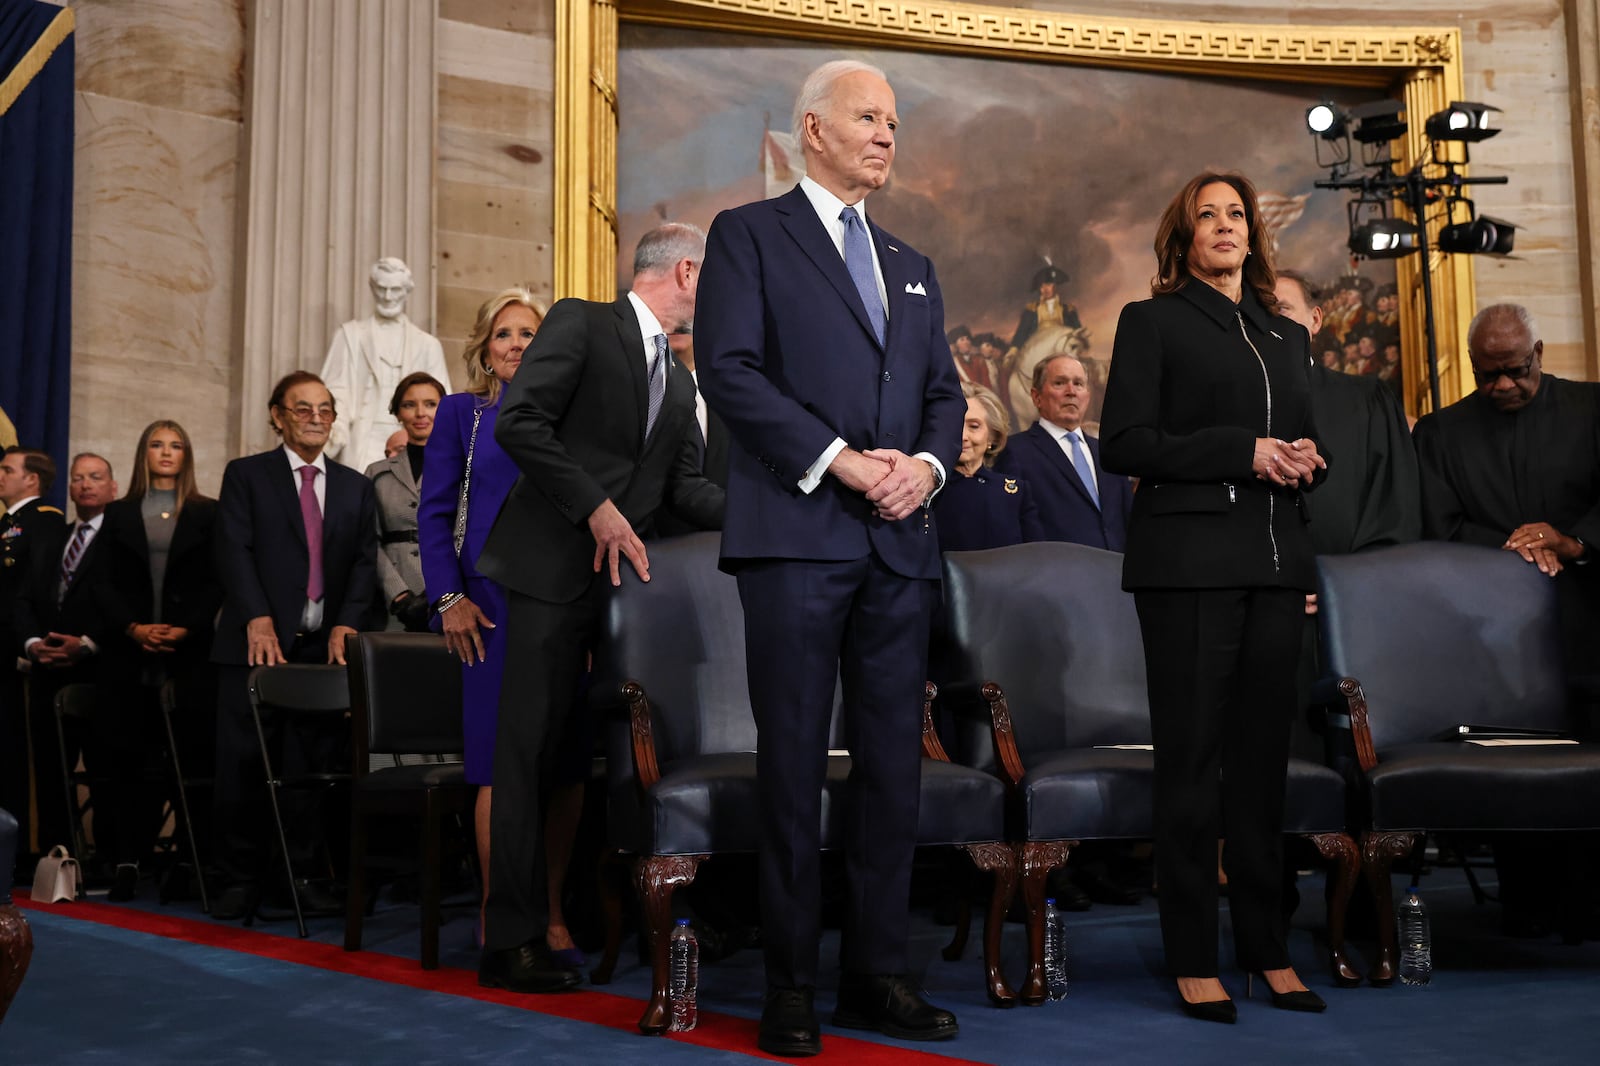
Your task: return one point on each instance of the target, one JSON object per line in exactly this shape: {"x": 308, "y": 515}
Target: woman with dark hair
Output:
{"x": 159, "y": 589}
{"x": 979, "y": 509}
{"x": 1208, "y": 404}
{"x": 395, "y": 483}
{"x": 466, "y": 477}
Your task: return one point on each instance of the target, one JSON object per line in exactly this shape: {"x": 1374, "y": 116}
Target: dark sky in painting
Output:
{"x": 998, "y": 164}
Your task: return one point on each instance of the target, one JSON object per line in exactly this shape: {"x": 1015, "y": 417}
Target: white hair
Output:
{"x": 818, "y": 87}
{"x": 1506, "y": 310}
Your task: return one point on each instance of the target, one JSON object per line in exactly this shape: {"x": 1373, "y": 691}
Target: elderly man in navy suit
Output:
{"x": 822, "y": 346}
{"x": 297, "y": 547}
{"x": 1078, "y": 500}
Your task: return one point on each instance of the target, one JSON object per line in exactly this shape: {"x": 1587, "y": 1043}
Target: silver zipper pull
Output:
{"x": 1233, "y": 493}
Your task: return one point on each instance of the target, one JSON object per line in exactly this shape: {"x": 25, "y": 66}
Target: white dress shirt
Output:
{"x": 650, "y": 326}
{"x": 828, "y": 208}
{"x": 1062, "y": 435}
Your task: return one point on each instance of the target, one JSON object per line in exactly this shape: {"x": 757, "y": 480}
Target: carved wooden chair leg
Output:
{"x": 1339, "y": 849}
{"x": 960, "y": 875}
{"x": 610, "y": 877}
{"x": 1378, "y": 852}
{"x": 658, "y": 876}
{"x": 999, "y": 860}
{"x": 1035, "y": 860}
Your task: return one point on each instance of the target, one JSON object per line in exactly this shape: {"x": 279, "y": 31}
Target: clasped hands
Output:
{"x": 57, "y": 650}
{"x": 157, "y": 637}
{"x": 1544, "y": 545}
{"x": 895, "y": 483}
{"x": 1287, "y": 464}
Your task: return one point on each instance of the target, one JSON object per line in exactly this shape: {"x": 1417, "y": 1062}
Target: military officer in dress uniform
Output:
{"x": 1048, "y": 310}
{"x": 25, "y": 476}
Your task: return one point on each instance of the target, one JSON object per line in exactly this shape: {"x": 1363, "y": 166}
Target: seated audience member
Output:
{"x": 28, "y": 526}
{"x": 1516, "y": 465}
{"x": 63, "y": 633}
{"x": 1370, "y": 497}
{"x": 980, "y": 509}
{"x": 1078, "y": 500}
{"x": 159, "y": 592}
{"x": 395, "y": 483}
{"x": 295, "y": 546}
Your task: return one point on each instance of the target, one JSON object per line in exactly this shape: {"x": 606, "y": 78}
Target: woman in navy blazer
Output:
{"x": 977, "y": 508}
{"x": 470, "y": 609}
{"x": 1209, "y": 405}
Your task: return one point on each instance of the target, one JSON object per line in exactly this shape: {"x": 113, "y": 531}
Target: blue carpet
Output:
{"x": 103, "y": 994}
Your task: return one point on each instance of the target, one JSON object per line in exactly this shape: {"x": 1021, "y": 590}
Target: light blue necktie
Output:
{"x": 658, "y": 383}
{"x": 858, "y": 260}
{"x": 1080, "y": 463}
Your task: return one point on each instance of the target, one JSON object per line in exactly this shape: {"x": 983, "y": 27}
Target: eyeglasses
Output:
{"x": 1511, "y": 373}
{"x": 301, "y": 412}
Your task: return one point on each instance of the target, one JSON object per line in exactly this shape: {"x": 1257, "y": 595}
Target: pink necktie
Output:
{"x": 312, "y": 514}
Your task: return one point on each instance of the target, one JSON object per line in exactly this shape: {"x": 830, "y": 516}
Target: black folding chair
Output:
{"x": 294, "y": 692}
{"x": 405, "y": 698}
{"x": 75, "y": 702}
{"x": 169, "y": 709}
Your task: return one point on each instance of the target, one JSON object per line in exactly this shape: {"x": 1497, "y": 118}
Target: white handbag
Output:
{"x": 56, "y": 877}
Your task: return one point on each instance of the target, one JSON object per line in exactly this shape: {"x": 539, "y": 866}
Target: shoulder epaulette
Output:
{"x": 45, "y": 508}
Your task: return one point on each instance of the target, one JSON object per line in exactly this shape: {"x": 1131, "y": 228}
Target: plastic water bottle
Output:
{"x": 1055, "y": 950}
{"x": 685, "y": 979}
{"x": 1416, "y": 942}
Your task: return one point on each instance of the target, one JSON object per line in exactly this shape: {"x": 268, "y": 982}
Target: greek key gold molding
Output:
{"x": 1420, "y": 64}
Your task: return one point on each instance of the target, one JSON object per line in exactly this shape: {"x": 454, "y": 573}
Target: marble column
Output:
{"x": 337, "y": 171}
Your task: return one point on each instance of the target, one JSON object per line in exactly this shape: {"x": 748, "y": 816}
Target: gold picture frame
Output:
{"x": 1420, "y": 65}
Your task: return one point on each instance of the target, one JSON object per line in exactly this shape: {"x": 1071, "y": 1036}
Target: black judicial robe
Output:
{"x": 1372, "y": 497}
{"x": 1485, "y": 472}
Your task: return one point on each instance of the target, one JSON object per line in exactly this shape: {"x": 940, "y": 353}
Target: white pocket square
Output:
{"x": 916, "y": 290}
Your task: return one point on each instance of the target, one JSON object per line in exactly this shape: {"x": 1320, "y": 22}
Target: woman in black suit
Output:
{"x": 159, "y": 590}
{"x": 978, "y": 509}
{"x": 1208, "y": 404}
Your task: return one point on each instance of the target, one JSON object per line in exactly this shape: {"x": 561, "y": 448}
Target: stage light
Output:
{"x": 1384, "y": 238}
{"x": 1379, "y": 121}
{"x": 1461, "y": 121}
{"x": 1326, "y": 120}
{"x": 1479, "y": 236}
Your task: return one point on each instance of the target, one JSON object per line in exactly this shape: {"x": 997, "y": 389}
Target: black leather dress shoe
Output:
{"x": 237, "y": 901}
{"x": 893, "y": 1006}
{"x": 315, "y": 902}
{"x": 789, "y": 1024}
{"x": 1101, "y": 887}
{"x": 124, "y": 883}
{"x": 528, "y": 968}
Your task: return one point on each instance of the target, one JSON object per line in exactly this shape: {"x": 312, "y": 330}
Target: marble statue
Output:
{"x": 367, "y": 359}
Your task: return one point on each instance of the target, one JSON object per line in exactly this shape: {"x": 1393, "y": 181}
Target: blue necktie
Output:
{"x": 1080, "y": 463}
{"x": 858, "y": 260}
{"x": 658, "y": 383}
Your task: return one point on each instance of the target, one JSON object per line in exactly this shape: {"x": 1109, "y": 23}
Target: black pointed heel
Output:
{"x": 1212, "y": 1010}
{"x": 1302, "y": 999}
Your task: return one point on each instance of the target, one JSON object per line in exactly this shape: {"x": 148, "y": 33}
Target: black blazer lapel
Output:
{"x": 803, "y": 225}
{"x": 283, "y": 488}
{"x": 630, "y": 348}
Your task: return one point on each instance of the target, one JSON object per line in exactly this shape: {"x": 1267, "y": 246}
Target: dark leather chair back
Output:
{"x": 408, "y": 688}
{"x": 681, "y": 635}
{"x": 300, "y": 687}
{"x": 1441, "y": 635}
{"x": 1050, "y": 624}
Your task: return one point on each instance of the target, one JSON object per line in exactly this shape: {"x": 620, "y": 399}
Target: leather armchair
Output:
{"x": 1052, "y": 646}
{"x": 1424, "y": 638}
{"x": 681, "y": 755}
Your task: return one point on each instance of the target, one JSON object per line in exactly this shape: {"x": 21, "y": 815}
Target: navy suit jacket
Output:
{"x": 262, "y": 557}
{"x": 790, "y": 362}
{"x": 1064, "y": 504}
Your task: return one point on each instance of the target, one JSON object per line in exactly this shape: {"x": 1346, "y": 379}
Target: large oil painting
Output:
{"x": 1034, "y": 187}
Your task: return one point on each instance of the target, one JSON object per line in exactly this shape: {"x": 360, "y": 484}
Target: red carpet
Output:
{"x": 719, "y": 1031}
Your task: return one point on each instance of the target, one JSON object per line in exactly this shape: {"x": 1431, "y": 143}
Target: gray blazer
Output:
{"x": 399, "y": 563}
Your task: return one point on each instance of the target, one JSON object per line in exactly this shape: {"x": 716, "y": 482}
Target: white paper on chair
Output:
{"x": 1129, "y": 747}
{"x": 1519, "y": 742}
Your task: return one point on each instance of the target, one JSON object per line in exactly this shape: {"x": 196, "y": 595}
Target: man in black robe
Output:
{"x": 1516, "y": 465}
{"x": 1371, "y": 497}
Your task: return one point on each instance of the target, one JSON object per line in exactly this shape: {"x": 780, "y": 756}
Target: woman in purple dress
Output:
{"x": 463, "y": 459}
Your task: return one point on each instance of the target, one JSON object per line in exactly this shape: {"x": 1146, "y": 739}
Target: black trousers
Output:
{"x": 546, "y": 647}
{"x": 1221, "y": 667}
{"x": 806, "y": 625}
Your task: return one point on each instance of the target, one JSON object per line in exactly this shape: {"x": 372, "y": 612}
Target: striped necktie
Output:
{"x": 658, "y": 383}
{"x": 81, "y": 535}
